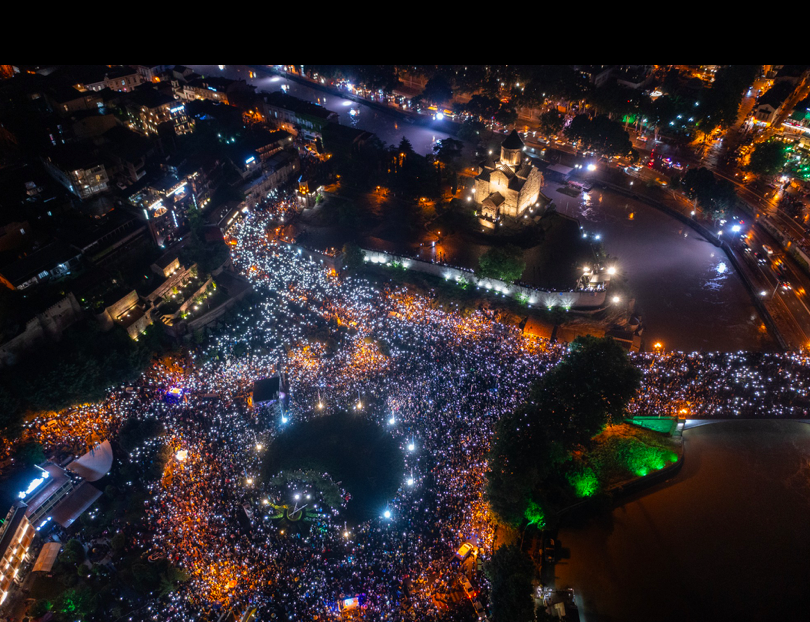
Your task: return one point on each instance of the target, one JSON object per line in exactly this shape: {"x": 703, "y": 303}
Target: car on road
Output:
{"x": 767, "y": 249}
{"x": 464, "y": 551}
{"x": 785, "y": 285}
{"x": 746, "y": 248}
{"x": 760, "y": 259}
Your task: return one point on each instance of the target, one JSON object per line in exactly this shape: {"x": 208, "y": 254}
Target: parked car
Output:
{"x": 469, "y": 590}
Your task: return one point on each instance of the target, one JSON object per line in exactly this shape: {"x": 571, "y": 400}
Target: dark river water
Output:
{"x": 728, "y": 538}
{"x": 688, "y": 293}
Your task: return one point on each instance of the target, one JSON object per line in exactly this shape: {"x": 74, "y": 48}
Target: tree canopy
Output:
{"x": 768, "y": 158}
{"x": 567, "y": 406}
{"x": 599, "y": 133}
{"x": 502, "y": 262}
{"x": 714, "y": 195}
{"x": 510, "y": 573}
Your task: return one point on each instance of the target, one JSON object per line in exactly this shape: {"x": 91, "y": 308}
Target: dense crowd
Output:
{"x": 436, "y": 380}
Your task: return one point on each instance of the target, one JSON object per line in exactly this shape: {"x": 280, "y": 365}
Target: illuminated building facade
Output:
{"x": 509, "y": 186}
{"x": 16, "y": 535}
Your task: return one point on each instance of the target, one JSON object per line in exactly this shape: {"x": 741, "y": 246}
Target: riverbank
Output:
{"x": 638, "y": 561}
{"x": 753, "y": 292}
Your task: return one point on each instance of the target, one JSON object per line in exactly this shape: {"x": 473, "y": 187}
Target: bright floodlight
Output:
{"x": 387, "y": 514}
{"x": 284, "y": 419}
{"x": 411, "y": 446}
{"x": 592, "y": 167}
{"x": 616, "y": 299}
{"x": 181, "y": 455}
{"x": 612, "y": 270}
{"x": 392, "y": 421}
{"x": 736, "y": 228}
{"x": 439, "y": 116}
{"x": 410, "y": 481}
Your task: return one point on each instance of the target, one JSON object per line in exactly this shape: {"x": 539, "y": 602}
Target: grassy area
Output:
{"x": 620, "y": 453}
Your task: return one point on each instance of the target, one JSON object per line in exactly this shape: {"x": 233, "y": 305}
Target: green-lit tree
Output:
{"x": 567, "y": 406}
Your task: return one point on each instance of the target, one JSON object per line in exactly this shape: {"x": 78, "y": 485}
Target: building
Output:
{"x": 66, "y": 100}
{"x": 277, "y": 171}
{"x": 44, "y": 326}
{"x": 120, "y": 78}
{"x": 78, "y": 169}
{"x": 16, "y": 536}
{"x": 771, "y": 103}
{"x": 52, "y": 261}
{"x": 220, "y": 90}
{"x": 148, "y": 108}
{"x": 290, "y": 113}
{"x": 509, "y": 186}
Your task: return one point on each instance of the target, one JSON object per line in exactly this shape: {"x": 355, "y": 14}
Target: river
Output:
{"x": 725, "y": 539}
{"x": 687, "y": 291}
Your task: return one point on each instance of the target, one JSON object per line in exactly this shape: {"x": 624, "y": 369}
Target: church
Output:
{"x": 509, "y": 186}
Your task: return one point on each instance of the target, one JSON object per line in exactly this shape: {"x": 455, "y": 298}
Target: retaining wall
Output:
{"x": 538, "y": 297}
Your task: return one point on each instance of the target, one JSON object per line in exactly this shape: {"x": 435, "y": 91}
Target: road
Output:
{"x": 387, "y": 126}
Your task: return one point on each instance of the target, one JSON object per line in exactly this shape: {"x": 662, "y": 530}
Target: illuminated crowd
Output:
{"x": 436, "y": 380}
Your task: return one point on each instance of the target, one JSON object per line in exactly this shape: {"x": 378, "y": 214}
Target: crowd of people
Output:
{"x": 437, "y": 381}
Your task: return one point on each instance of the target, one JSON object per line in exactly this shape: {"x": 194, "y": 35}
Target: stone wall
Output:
{"x": 535, "y": 297}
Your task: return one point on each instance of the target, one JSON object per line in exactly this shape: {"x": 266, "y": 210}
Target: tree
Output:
{"x": 551, "y": 122}
{"x": 28, "y": 454}
{"x": 506, "y": 115}
{"x": 502, "y": 262}
{"x": 438, "y": 90}
{"x": 483, "y": 106}
{"x": 73, "y": 553}
{"x": 352, "y": 256}
{"x": 590, "y": 388}
{"x": 567, "y": 406}
{"x": 604, "y": 136}
{"x": 714, "y": 195}
{"x": 510, "y": 573}
{"x": 471, "y": 130}
{"x": 768, "y": 158}
{"x": 447, "y": 152}
{"x": 721, "y": 103}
